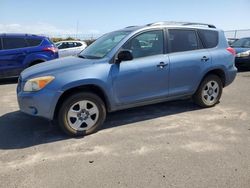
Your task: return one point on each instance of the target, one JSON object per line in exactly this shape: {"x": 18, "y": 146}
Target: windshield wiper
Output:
{"x": 88, "y": 56}
{"x": 81, "y": 56}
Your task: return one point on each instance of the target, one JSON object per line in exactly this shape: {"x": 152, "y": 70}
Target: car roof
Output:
{"x": 170, "y": 24}
{"x": 20, "y": 35}
{"x": 71, "y": 41}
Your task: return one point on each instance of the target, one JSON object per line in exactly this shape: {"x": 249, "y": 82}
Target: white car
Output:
{"x": 70, "y": 48}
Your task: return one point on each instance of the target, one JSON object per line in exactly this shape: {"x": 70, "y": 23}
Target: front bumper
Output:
{"x": 41, "y": 103}
{"x": 242, "y": 61}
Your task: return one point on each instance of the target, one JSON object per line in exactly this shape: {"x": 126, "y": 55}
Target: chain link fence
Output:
{"x": 75, "y": 36}
{"x": 238, "y": 33}
{"x": 229, "y": 34}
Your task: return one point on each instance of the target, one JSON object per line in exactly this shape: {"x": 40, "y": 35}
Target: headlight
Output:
{"x": 243, "y": 54}
{"x": 36, "y": 84}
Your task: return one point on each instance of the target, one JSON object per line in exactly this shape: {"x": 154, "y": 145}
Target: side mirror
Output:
{"x": 124, "y": 55}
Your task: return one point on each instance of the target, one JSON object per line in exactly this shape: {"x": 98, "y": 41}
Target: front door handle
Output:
{"x": 161, "y": 65}
{"x": 204, "y": 58}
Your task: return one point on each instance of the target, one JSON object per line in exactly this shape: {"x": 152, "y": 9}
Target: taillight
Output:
{"x": 232, "y": 51}
{"x": 51, "y": 49}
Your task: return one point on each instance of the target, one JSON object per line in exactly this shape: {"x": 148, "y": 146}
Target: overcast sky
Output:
{"x": 98, "y": 17}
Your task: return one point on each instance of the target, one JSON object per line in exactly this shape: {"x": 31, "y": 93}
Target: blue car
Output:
{"x": 19, "y": 51}
{"x": 130, "y": 67}
{"x": 242, "y": 48}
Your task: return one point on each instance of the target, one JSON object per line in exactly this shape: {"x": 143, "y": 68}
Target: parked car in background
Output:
{"x": 70, "y": 48}
{"x": 128, "y": 68}
{"x": 231, "y": 40}
{"x": 242, "y": 48}
{"x": 19, "y": 51}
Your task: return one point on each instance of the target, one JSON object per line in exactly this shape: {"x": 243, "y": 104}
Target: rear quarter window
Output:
{"x": 78, "y": 44}
{"x": 33, "y": 42}
{"x": 13, "y": 43}
{"x": 209, "y": 38}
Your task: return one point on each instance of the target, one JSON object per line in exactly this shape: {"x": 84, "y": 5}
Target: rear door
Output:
{"x": 79, "y": 47}
{"x": 12, "y": 56}
{"x": 63, "y": 49}
{"x": 188, "y": 60}
{"x": 72, "y": 50}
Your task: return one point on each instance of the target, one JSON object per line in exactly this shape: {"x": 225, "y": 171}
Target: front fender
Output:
{"x": 103, "y": 86}
{"x": 84, "y": 82}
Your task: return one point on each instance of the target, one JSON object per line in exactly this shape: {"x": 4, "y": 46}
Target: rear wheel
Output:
{"x": 209, "y": 91}
{"x": 82, "y": 114}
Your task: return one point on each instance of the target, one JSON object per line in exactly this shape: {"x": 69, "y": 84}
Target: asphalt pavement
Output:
{"x": 172, "y": 144}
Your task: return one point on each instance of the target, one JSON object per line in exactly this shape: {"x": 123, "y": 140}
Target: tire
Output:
{"x": 81, "y": 114}
{"x": 35, "y": 63}
{"x": 209, "y": 91}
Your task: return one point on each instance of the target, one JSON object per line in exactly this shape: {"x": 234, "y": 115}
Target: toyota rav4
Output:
{"x": 135, "y": 66}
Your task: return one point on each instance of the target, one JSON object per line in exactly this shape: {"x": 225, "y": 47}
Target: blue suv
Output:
{"x": 19, "y": 51}
{"x": 130, "y": 67}
{"x": 242, "y": 48}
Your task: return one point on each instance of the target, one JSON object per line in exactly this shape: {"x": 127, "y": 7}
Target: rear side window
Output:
{"x": 71, "y": 44}
{"x": 33, "y": 42}
{"x": 13, "y": 43}
{"x": 209, "y": 38}
{"x": 183, "y": 40}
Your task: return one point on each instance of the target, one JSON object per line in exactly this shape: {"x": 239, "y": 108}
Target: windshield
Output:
{"x": 243, "y": 43}
{"x": 102, "y": 46}
{"x": 58, "y": 44}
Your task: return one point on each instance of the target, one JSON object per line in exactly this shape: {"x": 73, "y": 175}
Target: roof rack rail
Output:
{"x": 201, "y": 24}
{"x": 181, "y": 24}
{"x": 131, "y": 26}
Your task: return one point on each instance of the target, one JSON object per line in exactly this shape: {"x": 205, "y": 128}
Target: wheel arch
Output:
{"x": 83, "y": 88}
{"x": 218, "y": 72}
{"x": 36, "y": 61}
{"x": 199, "y": 97}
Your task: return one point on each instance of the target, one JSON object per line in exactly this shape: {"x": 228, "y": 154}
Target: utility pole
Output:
{"x": 77, "y": 24}
{"x": 235, "y": 34}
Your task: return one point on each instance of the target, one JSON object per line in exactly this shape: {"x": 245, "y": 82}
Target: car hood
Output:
{"x": 239, "y": 50}
{"x": 56, "y": 66}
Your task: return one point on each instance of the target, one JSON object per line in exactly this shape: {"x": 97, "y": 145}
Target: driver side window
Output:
{"x": 146, "y": 44}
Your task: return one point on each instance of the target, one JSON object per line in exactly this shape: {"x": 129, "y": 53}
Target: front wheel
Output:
{"x": 81, "y": 114}
{"x": 209, "y": 91}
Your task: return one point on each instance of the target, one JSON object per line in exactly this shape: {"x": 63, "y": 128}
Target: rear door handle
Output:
{"x": 161, "y": 65}
{"x": 204, "y": 58}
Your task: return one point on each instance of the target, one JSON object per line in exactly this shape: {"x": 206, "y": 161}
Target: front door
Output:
{"x": 146, "y": 76}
